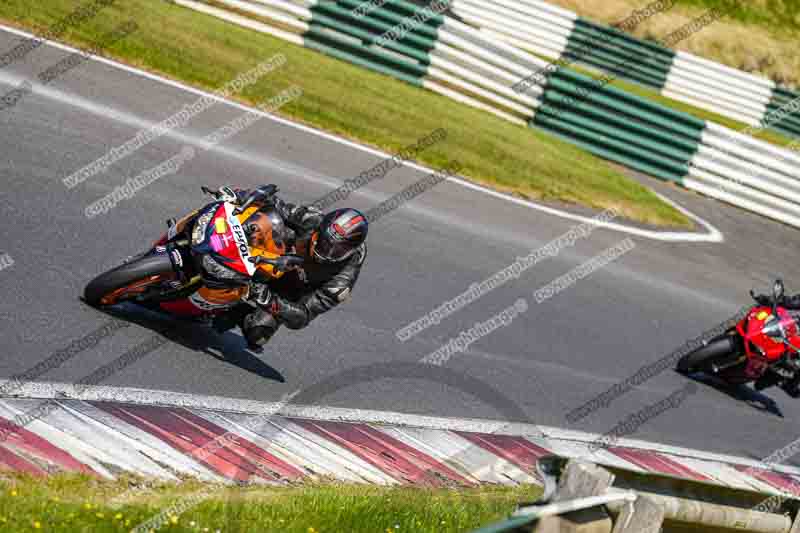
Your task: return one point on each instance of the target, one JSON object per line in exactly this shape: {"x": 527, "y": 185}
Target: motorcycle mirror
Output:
{"x": 778, "y": 290}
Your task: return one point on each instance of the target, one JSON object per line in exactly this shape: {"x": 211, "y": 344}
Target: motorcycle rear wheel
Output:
{"x": 702, "y": 358}
{"x": 126, "y": 281}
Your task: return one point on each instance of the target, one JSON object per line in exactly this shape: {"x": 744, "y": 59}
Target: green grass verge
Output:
{"x": 773, "y": 14}
{"x": 76, "y": 503}
{"x": 357, "y": 103}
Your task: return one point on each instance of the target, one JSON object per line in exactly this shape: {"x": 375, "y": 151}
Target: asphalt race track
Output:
{"x": 550, "y": 360}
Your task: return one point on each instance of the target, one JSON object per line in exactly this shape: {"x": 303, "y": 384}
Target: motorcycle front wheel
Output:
{"x": 701, "y": 360}
{"x": 129, "y": 280}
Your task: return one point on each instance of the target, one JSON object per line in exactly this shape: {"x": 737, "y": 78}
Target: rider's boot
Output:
{"x": 258, "y": 327}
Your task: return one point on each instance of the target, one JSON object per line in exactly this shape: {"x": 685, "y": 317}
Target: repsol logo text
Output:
{"x": 241, "y": 240}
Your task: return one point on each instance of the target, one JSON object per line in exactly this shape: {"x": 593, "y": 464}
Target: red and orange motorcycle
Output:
{"x": 763, "y": 348}
{"x": 206, "y": 261}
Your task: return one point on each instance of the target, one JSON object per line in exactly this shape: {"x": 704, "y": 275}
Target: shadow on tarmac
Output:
{"x": 197, "y": 336}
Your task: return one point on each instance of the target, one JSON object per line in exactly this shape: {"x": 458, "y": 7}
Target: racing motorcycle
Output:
{"x": 763, "y": 348}
{"x": 204, "y": 264}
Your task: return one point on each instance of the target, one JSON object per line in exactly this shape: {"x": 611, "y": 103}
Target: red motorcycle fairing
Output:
{"x": 225, "y": 241}
{"x": 204, "y": 301}
{"x": 761, "y": 349}
{"x": 229, "y": 241}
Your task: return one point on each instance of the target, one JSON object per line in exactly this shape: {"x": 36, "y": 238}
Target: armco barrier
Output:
{"x": 561, "y": 35}
{"x": 447, "y": 56}
{"x": 594, "y": 499}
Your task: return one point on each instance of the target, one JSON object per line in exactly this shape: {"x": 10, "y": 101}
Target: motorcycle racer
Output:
{"x": 333, "y": 246}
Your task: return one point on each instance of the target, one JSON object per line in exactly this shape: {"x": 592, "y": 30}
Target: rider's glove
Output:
{"x": 264, "y": 192}
{"x": 761, "y": 299}
{"x": 304, "y": 217}
{"x": 279, "y": 205}
{"x": 261, "y": 295}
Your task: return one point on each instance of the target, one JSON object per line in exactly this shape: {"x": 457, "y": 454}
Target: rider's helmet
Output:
{"x": 340, "y": 234}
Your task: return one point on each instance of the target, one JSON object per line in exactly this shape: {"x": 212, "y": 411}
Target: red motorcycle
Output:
{"x": 205, "y": 262}
{"x": 763, "y": 348}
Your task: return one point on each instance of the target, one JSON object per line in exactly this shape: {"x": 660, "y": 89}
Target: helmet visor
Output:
{"x": 331, "y": 251}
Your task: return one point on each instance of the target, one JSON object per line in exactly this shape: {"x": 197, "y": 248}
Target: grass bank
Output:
{"x": 75, "y": 503}
{"x": 356, "y": 103}
{"x": 757, "y": 36}
{"x": 781, "y": 14}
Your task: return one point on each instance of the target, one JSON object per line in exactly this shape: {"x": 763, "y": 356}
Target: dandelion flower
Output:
{"x": 37, "y": 525}
{"x": 118, "y": 516}
{"x": 13, "y": 493}
{"x": 173, "y": 519}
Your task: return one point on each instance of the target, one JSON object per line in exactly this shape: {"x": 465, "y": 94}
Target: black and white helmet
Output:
{"x": 340, "y": 234}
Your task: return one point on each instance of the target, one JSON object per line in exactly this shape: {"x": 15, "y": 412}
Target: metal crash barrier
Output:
{"x": 582, "y": 497}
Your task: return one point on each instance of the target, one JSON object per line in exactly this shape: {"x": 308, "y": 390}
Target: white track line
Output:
{"x": 713, "y": 235}
{"x": 139, "y": 123}
{"x": 138, "y": 396}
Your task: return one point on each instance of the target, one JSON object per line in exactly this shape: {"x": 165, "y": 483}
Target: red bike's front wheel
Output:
{"x": 718, "y": 351}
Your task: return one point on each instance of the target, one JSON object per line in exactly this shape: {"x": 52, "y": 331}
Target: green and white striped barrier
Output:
{"x": 565, "y": 37}
{"x": 477, "y": 68}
